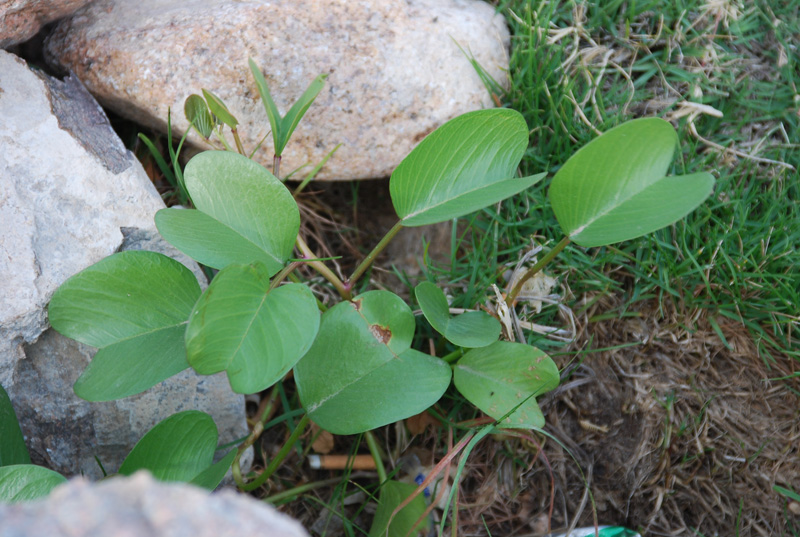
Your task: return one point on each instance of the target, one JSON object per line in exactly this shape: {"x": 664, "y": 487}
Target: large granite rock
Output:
{"x": 139, "y": 506}
{"x": 21, "y": 19}
{"x": 70, "y": 195}
{"x": 396, "y": 68}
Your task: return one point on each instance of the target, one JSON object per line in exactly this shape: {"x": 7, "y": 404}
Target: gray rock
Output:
{"x": 70, "y": 195}
{"x": 67, "y": 186}
{"x": 66, "y": 433}
{"x": 396, "y": 68}
{"x": 139, "y": 506}
{"x": 21, "y": 19}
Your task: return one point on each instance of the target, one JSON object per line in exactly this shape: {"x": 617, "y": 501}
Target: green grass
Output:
{"x": 733, "y": 257}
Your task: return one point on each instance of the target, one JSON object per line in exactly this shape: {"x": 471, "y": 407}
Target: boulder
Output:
{"x": 70, "y": 195}
{"x": 397, "y": 69}
{"x": 139, "y": 505}
{"x": 22, "y": 19}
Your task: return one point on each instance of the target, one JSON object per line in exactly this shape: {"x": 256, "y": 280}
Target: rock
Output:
{"x": 21, "y": 19}
{"x": 66, "y": 433}
{"x": 67, "y": 187}
{"x": 396, "y": 68}
{"x": 70, "y": 195}
{"x": 138, "y": 506}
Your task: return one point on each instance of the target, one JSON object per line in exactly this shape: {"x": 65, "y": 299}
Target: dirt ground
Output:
{"x": 674, "y": 432}
{"x": 676, "y": 436}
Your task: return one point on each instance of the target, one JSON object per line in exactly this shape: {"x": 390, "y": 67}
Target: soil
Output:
{"x": 677, "y": 435}
{"x": 675, "y": 431}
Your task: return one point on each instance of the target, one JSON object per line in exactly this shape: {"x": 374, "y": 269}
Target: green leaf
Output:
{"x": 197, "y": 114}
{"x": 160, "y": 162}
{"x": 393, "y": 493}
{"x": 269, "y": 105}
{"x": 786, "y": 492}
{"x": 255, "y": 334}
{"x": 614, "y": 188}
{"x": 219, "y": 110}
{"x": 178, "y": 448}
{"x": 298, "y": 110}
{"x": 470, "y": 329}
{"x": 244, "y": 213}
{"x": 361, "y": 373}
{"x": 467, "y": 164}
{"x": 22, "y": 482}
{"x": 12, "y": 443}
{"x": 498, "y": 378}
{"x": 133, "y": 306}
{"x": 282, "y": 128}
{"x": 211, "y": 477}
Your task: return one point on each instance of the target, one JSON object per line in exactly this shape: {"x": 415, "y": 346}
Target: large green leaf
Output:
{"x": 179, "y": 448}
{"x": 498, "y": 378}
{"x": 255, "y": 334}
{"x": 467, "y": 164}
{"x": 361, "y": 374}
{"x": 615, "y": 188}
{"x": 21, "y": 482}
{"x": 12, "y": 443}
{"x": 393, "y": 493}
{"x": 134, "y": 306}
{"x": 470, "y": 329}
{"x": 243, "y": 214}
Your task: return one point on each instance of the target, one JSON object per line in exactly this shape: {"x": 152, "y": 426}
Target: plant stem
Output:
{"x": 453, "y": 356}
{"x": 376, "y": 455}
{"x": 351, "y": 281}
{"x": 531, "y": 272}
{"x": 221, "y": 137}
{"x": 258, "y": 428}
{"x": 276, "y": 166}
{"x": 302, "y": 489}
{"x": 283, "y": 274}
{"x": 279, "y": 458}
{"x": 320, "y": 267}
{"x": 238, "y": 141}
{"x": 314, "y": 172}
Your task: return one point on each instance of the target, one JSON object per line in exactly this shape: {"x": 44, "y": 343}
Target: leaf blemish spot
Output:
{"x": 381, "y": 333}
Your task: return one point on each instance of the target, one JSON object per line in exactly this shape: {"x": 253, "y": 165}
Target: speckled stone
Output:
{"x": 139, "y": 506}
{"x": 70, "y": 195}
{"x": 22, "y": 19}
{"x": 397, "y": 68}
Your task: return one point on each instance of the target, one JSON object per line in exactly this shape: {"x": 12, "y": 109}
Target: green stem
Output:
{"x": 313, "y": 173}
{"x": 320, "y": 267}
{"x": 531, "y": 272}
{"x": 283, "y": 274}
{"x": 351, "y": 281}
{"x": 376, "y": 455}
{"x": 302, "y": 489}
{"x": 221, "y": 138}
{"x": 279, "y": 458}
{"x": 239, "y": 146}
{"x": 453, "y": 356}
